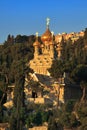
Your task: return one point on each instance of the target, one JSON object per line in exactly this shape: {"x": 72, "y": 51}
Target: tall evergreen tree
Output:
{"x": 19, "y": 97}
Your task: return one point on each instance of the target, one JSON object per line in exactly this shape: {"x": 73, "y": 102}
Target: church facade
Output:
{"x": 45, "y": 52}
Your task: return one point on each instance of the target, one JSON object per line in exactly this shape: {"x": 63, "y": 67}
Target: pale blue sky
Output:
{"x": 26, "y": 17}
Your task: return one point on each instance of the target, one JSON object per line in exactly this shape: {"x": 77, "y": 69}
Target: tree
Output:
{"x": 13, "y": 70}
{"x": 13, "y": 123}
{"x": 85, "y": 37}
{"x": 74, "y": 121}
{"x": 54, "y": 125}
{"x": 69, "y": 106}
{"x": 3, "y": 91}
{"x": 65, "y": 119}
{"x": 19, "y": 96}
{"x": 56, "y": 69}
{"x": 83, "y": 85}
{"x": 38, "y": 119}
{"x": 9, "y": 41}
{"x": 79, "y": 75}
{"x": 81, "y": 111}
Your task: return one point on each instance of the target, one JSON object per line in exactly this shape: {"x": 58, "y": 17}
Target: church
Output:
{"x": 45, "y": 52}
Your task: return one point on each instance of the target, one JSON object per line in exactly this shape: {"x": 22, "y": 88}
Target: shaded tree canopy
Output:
{"x": 80, "y": 73}
{"x": 56, "y": 69}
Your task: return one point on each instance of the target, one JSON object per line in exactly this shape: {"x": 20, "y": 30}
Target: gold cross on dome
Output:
{"x": 48, "y": 21}
{"x": 36, "y": 34}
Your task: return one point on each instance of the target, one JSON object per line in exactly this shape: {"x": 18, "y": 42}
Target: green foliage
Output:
{"x": 80, "y": 73}
{"x": 37, "y": 115}
{"x": 81, "y": 111}
{"x": 84, "y": 124}
{"x": 85, "y": 36}
{"x": 3, "y": 98}
{"x": 3, "y": 94}
{"x": 67, "y": 117}
{"x": 69, "y": 106}
{"x": 29, "y": 120}
{"x": 13, "y": 123}
{"x": 56, "y": 69}
{"x": 65, "y": 120}
{"x": 19, "y": 97}
{"x": 74, "y": 121}
{"x": 70, "y": 65}
{"x": 54, "y": 125}
{"x": 38, "y": 119}
{"x": 45, "y": 116}
{"x": 1, "y": 114}
{"x": 14, "y": 54}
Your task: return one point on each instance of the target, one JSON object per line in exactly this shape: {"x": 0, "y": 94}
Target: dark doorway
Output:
{"x": 34, "y": 94}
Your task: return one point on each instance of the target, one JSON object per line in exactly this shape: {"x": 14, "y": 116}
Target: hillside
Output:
{"x": 15, "y": 54}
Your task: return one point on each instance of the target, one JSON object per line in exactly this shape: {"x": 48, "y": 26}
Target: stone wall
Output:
{"x": 36, "y": 100}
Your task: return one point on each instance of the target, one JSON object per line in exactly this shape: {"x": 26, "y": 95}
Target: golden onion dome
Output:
{"x": 47, "y": 36}
{"x": 36, "y": 43}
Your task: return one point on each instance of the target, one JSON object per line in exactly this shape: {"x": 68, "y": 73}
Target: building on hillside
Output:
{"x": 66, "y": 90}
{"x": 52, "y": 48}
{"x": 46, "y": 52}
{"x": 73, "y": 36}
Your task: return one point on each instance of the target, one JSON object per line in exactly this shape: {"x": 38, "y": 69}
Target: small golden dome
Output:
{"x": 36, "y": 43}
{"x": 47, "y": 36}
